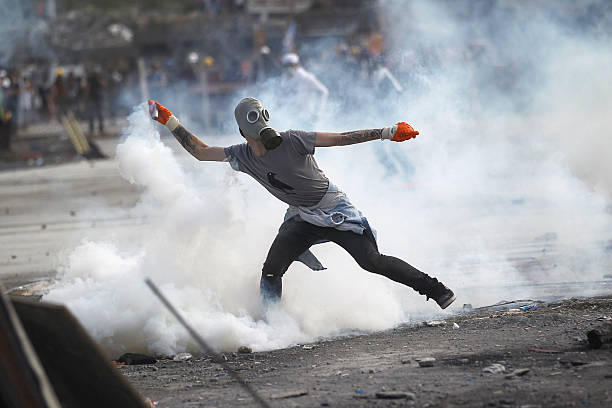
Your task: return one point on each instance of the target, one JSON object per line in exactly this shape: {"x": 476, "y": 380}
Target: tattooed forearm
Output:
{"x": 358, "y": 136}
{"x": 185, "y": 138}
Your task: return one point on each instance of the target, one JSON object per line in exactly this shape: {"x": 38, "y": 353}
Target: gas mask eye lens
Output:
{"x": 266, "y": 115}
{"x": 252, "y": 116}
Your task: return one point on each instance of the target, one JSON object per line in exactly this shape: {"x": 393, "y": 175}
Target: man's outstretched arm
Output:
{"x": 397, "y": 133}
{"x": 193, "y": 144}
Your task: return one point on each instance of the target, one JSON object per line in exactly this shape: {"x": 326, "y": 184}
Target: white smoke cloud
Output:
{"x": 507, "y": 186}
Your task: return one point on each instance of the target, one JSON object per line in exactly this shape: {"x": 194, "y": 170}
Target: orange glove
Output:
{"x": 162, "y": 115}
{"x": 400, "y": 132}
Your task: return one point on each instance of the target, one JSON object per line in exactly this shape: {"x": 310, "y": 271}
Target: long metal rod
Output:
{"x": 207, "y": 349}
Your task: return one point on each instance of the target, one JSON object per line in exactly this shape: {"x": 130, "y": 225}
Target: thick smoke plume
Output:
{"x": 505, "y": 191}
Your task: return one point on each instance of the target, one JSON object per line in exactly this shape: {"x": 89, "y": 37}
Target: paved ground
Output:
{"x": 42, "y": 214}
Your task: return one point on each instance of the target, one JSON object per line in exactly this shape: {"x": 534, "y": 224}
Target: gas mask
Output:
{"x": 252, "y": 119}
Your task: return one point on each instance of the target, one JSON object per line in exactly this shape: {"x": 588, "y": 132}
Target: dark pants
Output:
{"x": 296, "y": 236}
{"x": 94, "y": 111}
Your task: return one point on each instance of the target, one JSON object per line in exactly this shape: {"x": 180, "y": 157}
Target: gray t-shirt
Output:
{"x": 289, "y": 172}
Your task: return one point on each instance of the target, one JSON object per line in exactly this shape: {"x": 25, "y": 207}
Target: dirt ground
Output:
{"x": 546, "y": 361}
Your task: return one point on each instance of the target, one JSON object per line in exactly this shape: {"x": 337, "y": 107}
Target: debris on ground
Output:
{"x": 539, "y": 350}
{"x": 425, "y": 361}
{"x": 494, "y": 369}
{"x": 519, "y": 372}
{"x": 395, "y": 395}
{"x": 546, "y": 351}
{"x": 600, "y": 335}
{"x": 136, "y": 359}
{"x": 245, "y": 350}
{"x": 435, "y": 323}
{"x": 289, "y": 394}
{"x": 150, "y": 403}
{"x": 182, "y": 357}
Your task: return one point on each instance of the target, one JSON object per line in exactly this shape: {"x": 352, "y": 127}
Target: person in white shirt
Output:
{"x": 301, "y": 86}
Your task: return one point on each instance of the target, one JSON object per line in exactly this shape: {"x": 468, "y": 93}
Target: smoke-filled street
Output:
{"x": 447, "y": 163}
{"x": 543, "y": 353}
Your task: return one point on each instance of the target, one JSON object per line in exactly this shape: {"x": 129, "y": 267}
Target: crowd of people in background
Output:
{"x": 34, "y": 96}
{"x": 39, "y": 93}
{"x": 94, "y": 91}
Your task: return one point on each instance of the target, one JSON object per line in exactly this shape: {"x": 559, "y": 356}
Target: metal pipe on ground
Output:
{"x": 217, "y": 358}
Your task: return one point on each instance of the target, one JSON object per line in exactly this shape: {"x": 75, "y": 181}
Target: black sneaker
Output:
{"x": 446, "y": 298}
{"x": 441, "y": 294}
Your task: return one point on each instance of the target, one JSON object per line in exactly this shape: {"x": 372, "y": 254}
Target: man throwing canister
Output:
{"x": 319, "y": 211}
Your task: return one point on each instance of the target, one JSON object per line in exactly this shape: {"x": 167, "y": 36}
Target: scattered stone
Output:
{"x": 435, "y": 323}
{"x": 519, "y": 372}
{"x": 218, "y": 358}
{"x": 395, "y": 395}
{"x": 592, "y": 364}
{"x": 426, "y": 361}
{"x": 572, "y": 363}
{"x": 405, "y": 361}
{"x": 244, "y": 350}
{"x": 72, "y": 213}
{"x": 136, "y": 359}
{"x": 547, "y": 351}
{"x": 494, "y": 369}
{"x": 289, "y": 394}
{"x": 43, "y": 226}
{"x": 182, "y": 357}
{"x": 600, "y": 335}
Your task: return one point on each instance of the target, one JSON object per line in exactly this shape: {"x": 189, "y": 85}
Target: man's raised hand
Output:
{"x": 161, "y": 114}
{"x": 399, "y": 132}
